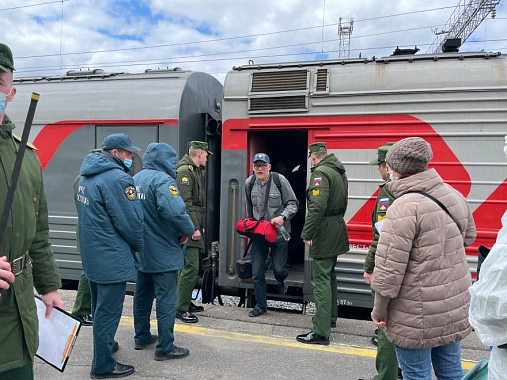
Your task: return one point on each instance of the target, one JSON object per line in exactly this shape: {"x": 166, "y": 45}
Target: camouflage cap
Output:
{"x": 200, "y": 145}
{"x": 381, "y": 154}
{"x": 6, "y": 60}
{"x": 318, "y": 147}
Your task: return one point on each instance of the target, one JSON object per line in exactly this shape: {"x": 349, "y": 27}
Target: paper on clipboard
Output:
{"x": 379, "y": 225}
{"x": 56, "y": 335}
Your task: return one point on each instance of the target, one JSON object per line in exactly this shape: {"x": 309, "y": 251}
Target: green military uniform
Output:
{"x": 26, "y": 241}
{"x": 27, "y": 232}
{"x": 325, "y": 227}
{"x": 190, "y": 181}
{"x": 386, "y": 362}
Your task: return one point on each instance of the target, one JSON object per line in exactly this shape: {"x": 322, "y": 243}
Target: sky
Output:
{"x": 50, "y": 37}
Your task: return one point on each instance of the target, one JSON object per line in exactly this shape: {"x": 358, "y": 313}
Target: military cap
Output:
{"x": 6, "y": 60}
{"x": 200, "y": 145}
{"x": 261, "y": 157}
{"x": 119, "y": 141}
{"x": 381, "y": 154}
{"x": 318, "y": 147}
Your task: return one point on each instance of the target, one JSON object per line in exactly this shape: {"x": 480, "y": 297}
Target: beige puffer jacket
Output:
{"x": 421, "y": 275}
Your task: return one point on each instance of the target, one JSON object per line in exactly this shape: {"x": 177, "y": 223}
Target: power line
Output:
{"x": 230, "y": 52}
{"x": 226, "y": 38}
{"x": 33, "y": 5}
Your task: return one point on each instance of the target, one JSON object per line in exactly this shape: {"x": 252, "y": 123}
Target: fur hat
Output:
{"x": 409, "y": 156}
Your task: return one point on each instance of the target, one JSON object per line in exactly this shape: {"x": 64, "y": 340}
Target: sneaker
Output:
{"x": 255, "y": 312}
{"x": 153, "y": 339}
{"x": 282, "y": 288}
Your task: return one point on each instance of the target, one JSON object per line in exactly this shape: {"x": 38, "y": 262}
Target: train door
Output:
{"x": 288, "y": 155}
{"x": 140, "y": 135}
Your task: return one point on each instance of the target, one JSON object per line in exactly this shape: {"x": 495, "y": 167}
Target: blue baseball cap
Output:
{"x": 119, "y": 141}
{"x": 261, "y": 157}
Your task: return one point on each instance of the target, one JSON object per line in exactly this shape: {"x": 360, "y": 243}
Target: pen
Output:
{"x": 69, "y": 343}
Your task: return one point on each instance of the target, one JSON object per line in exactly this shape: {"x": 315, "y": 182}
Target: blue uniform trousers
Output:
{"x": 163, "y": 287}
{"x": 107, "y": 306}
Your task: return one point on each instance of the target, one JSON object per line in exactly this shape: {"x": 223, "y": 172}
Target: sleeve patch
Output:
{"x": 173, "y": 190}
{"x": 131, "y": 193}
{"x": 317, "y": 181}
{"x": 383, "y": 204}
{"x": 184, "y": 181}
{"x": 380, "y": 218}
{"x": 316, "y": 192}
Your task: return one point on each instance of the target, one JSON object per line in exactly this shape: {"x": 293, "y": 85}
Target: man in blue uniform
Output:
{"x": 167, "y": 227}
{"x": 110, "y": 227}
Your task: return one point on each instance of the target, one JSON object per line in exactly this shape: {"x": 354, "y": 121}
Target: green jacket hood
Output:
{"x": 331, "y": 162}
{"x": 186, "y": 160}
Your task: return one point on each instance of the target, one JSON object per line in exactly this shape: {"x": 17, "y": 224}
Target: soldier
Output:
{"x": 167, "y": 227}
{"x": 325, "y": 232}
{"x": 190, "y": 179}
{"x": 26, "y": 248}
{"x": 386, "y": 362}
{"x": 110, "y": 227}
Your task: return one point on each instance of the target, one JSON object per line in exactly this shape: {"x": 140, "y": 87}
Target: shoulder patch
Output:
{"x": 173, "y": 190}
{"x": 191, "y": 168}
{"x": 184, "y": 180}
{"x": 317, "y": 181}
{"x": 316, "y": 192}
{"x": 130, "y": 193}
{"x": 383, "y": 204}
{"x": 30, "y": 145}
{"x": 381, "y": 218}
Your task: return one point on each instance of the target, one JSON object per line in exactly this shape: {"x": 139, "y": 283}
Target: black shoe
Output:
{"x": 116, "y": 347}
{"x": 153, "y": 339}
{"x": 121, "y": 370}
{"x": 86, "y": 320}
{"x": 282, "y": 288}
{"x": 333, "y": 325}
{"x": 376, "y": 332}
{"x": 400, "y": 375}
{"x": 186, "y": 316}
{"x": 255, "y": 312}
{"x": 374, "y": 340}
{"x": 312, "y": 338}
{"x": 193, "y": 308}
{"x": 177, "y": 353}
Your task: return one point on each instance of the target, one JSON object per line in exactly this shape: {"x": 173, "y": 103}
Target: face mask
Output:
{"x": 392, "y": 177}
{"x": 128, "y": 163}
{"x": 3, "y": 97}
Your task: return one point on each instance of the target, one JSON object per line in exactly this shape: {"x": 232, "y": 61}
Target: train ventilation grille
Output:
{"x": 321, "y": 85}
{"x": 278, "y": 103}
{"x": 295, "y": 80}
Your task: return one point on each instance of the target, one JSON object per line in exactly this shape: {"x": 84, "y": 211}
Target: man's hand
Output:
{"x": 196, "y": 235}
{"x": 5, "y": 273}
{"x": 183, "y": 239}
{"x": 381, "y": 324}
{"x": 277, "y": 222}
{"x": 368, "y": 277}
{"x": 51, "y": 299}
{"x": 308, "y": 242}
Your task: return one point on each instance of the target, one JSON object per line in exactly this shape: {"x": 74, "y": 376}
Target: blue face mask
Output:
{"x": 128, "y": 163}
{"x": 2, "y": 101}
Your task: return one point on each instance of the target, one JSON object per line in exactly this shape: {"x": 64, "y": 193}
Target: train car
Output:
{"x": 76, "y": 111}
{"x": 456, "y": 101}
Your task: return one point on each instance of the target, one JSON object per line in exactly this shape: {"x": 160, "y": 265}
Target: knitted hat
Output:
{"x": 409, "y": 156}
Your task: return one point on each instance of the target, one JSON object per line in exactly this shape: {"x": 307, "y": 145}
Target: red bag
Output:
{"x": 257, "y": 229}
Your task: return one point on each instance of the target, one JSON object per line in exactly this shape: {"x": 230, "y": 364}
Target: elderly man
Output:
{"x": 110, "y": 228}
{"x": 281, "y": 208}
{"x": 325, "y": 232}
{"x": 421, "y": 275}
{"x": 167, "y": 227}
{"x": 27, "y": 259}
{"x": 192, "y": 188}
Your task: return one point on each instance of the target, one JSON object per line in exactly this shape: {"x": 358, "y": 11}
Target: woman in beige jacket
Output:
{"x": 421, "y": 275}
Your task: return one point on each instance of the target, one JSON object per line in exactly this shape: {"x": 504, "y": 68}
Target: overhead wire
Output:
{"x": 32, "y": 5}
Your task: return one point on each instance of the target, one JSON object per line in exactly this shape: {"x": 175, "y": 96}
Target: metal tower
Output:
{"x": 465, "y": 18}
{"x": 344, "y": 33}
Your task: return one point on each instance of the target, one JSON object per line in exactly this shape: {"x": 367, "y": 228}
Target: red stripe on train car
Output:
{"x": 52, "y": 135}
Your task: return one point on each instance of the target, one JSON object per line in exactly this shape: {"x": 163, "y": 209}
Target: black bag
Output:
{"x": 244, "y": 265}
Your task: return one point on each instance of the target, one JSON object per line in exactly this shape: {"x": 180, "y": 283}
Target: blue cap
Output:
{"x": 119, "y": 141}
{"x": 261, "y": 157}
